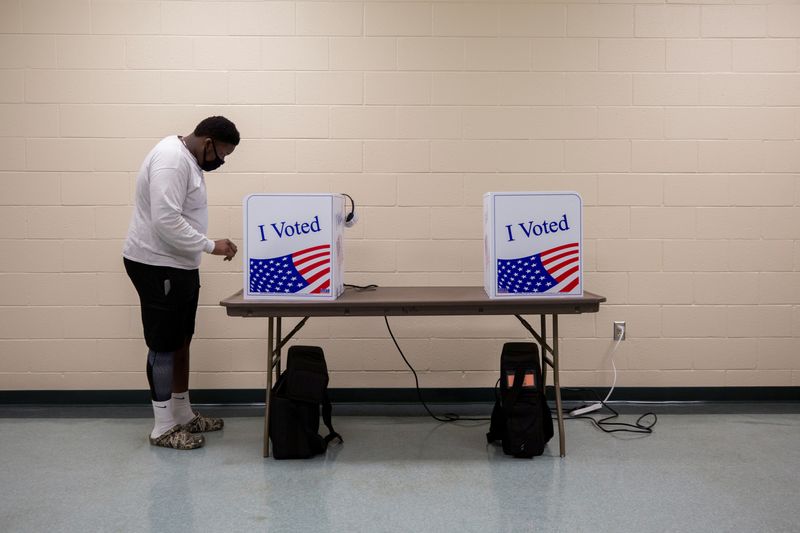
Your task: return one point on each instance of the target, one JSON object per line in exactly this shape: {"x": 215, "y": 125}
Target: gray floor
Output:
{"x": 697, "y": 472}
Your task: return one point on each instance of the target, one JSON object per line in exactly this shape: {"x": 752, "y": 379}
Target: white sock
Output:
{"x": 162, "y": 411}
{"x": 182, "y": 407}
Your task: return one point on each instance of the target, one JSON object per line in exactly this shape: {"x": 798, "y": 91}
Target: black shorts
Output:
{"x": 168, "y": 297}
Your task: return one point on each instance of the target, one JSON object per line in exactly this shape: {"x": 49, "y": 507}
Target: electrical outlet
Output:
{"x": 619, "y": 330}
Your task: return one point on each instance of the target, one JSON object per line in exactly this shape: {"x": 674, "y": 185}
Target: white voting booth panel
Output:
{"x": 533, "y": 244}
{"x": 293, "y": 246}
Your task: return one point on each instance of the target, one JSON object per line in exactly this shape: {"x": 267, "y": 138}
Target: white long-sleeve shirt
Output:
{"x": 170, "y": 216}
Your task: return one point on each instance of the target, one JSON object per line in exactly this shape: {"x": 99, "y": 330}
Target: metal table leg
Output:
{"x": 557, "y": 387}
{"x": 543, "y": 348}
{"x": 553, "y": 363}
{"x": 268, "y": 393}
{"x": 275, "y": 343}
{"x": 278, "y": 347}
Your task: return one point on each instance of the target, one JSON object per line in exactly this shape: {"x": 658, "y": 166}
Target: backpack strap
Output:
{"x": 497, "y": 423}
{"x": 513, "y": 394}
{"x": 327, "y": 410}
{"x": 502, "y": 407}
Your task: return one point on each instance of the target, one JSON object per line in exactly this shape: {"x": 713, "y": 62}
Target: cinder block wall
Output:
{"x": 678, "y": 122}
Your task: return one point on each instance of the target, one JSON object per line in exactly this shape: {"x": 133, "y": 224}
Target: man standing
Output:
{"x": 162, "y": 252}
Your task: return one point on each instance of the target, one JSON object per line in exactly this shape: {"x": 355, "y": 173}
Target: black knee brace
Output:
{"x": 159, "y": 374}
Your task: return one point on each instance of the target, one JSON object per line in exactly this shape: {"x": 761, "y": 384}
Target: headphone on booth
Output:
{"x": 351, "y": 218}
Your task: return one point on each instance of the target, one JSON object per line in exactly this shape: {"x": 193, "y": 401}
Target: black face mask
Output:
{"x": 208, "y": 166}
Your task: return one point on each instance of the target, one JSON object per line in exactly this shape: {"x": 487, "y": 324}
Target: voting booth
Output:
{"x": 533, "y": 244}
{"x": 293, "y": 246}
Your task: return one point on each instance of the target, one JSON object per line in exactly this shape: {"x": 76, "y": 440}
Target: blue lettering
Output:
{"x": 279, "y": 231}
{"x": 290, "y": 230}
{"x": 546, "y": 227}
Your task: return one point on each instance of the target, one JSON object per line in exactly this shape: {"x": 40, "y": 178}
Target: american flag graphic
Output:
{"x": 554, "y": 270}
{"x": 305, "y": 271}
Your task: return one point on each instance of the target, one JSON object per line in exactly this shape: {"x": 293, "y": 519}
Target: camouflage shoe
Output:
{"x": 203, "y": 424}
{"x": 178, "y": 439}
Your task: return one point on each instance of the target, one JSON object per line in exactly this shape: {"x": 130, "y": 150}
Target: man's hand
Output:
{"x": 225, "y": 247}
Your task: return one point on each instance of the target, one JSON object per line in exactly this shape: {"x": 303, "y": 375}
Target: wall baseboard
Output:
{"x": 409, "y": 395}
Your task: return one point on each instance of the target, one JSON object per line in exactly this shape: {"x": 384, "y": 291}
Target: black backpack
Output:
{"x": 521, "y": 417}
{"x": 294, "y": 407}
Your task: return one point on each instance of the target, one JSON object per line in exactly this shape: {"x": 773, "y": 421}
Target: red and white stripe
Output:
{"x": 314, "y": 264}
{"x": 563, "y": 263}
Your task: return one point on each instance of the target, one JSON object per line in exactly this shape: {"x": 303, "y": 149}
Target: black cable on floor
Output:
{"x": 446, "y": 417}
{"x": 602, "y": 424}
{"x": 620, "y": 427}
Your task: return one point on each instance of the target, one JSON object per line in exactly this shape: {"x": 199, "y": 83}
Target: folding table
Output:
{"x": 415, "y": 301}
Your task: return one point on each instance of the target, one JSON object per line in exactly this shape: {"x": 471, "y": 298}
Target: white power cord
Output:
{"x": 597, "y": 405}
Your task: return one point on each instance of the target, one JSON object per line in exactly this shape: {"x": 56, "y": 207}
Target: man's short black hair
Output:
{"x": 218, "y": 128}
